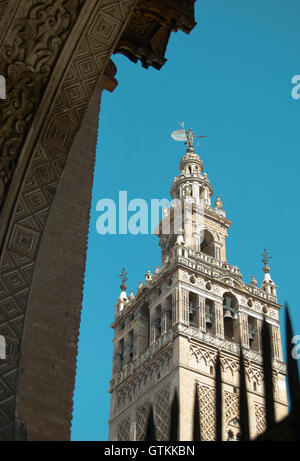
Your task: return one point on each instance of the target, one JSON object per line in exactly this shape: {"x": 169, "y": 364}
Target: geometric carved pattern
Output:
{"x": 48, "y": 158}
{"x": 202, "y": 354}
{"x": 260, "y": 418}
{"x": 27, "y": 59}
{"x": 231, "y": 406}
{"x": 254, "y": 374}
{"x": 207, "y": 412}
{"x": 231, "y": 409}
{"x": 141, "y": 420}
{"x": 229, "y": 364}
{"x": 162, "y": 414}
{"x": 199, "y": 354}
{"x": 123, "y": 431}
{"x": 150, "y": 372}
{"x": 3, "y": 5}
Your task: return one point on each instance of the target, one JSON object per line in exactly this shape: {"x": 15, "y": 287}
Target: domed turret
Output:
{"x": 268, "y": 285}
{"x": 191, "y": 183}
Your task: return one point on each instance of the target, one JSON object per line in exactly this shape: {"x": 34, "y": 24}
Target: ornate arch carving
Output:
{"x": 54, "y": 55}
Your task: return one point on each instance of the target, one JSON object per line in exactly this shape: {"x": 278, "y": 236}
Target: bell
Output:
{"x": 208, "y": 316}
{"x": 208, "y": 320}
{"x": 252, "y": 333}
{"x": 228, "y": 315}
{"x": 192, "y": 309}
{"x": 227, "y": 302}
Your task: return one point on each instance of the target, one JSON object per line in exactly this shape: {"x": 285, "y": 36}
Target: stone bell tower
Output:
{"x": 167, "y": 336}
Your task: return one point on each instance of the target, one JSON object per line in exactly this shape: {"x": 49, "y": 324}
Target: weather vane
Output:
{"x": 266, "y": 257}
{"x": 123, "y": 276}
{"x": 185, "y": 135}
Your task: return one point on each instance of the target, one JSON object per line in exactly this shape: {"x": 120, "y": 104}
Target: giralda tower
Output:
{"x": 167, "y": 336}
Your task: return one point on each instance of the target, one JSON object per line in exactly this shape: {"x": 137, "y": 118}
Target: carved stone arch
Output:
{"x": 55, "y": 56}
{"x": 211, "y": 231}
{"x": 207, "y": 241}
{"x": 233, "y": 429}
{"x": 230, "y": 369}
{"x": 233, "y": 283}
{"x": 59, "y": 85}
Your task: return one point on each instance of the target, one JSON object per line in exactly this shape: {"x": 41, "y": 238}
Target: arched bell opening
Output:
{"x": 208, "y": 244}
{"x": 168, "y": 312}
{"x": 193, "y": 309}
{"x": 252, "y": 332}
{"x": 143, "y": 339}
{"x": 209, "y": 316}
{"x": 231, "y": 324}
{"x": 130, "y": 346}
{"x": 158, "y": 322}
{"x": 119, "y": 355}
{"x": 202, "y": 194}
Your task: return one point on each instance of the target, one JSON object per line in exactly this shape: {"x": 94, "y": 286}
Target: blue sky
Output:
{"x": 231, "y": 80}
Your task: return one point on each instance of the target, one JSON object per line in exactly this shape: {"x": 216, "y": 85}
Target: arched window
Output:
{"x": 158, "y": 322}
{"x": 231, "y": 324}
{"x": 144, "y": 328}
{"x": 208, "y": 244}
{"x": 130, "y": 346}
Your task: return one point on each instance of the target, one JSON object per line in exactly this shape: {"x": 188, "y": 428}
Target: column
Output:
{"x": 184, "y": 307}
{"x": 244, "y": 332}
{"x": 276, "y": 343}
{"x": 201, "y": 313}
{"x": 259, "y": 327}
{"x": 143, "y": 330}
{"x": 164, "y": 306}
{"x": 152, "y": 326}
{"x": 175, "y": 306}
{"x": 219, "y": 320}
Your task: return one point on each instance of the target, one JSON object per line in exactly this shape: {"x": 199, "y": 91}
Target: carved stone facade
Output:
{"x": 162, "y": 413}
{"x": 149, "y": 27}
{"x": 193, "y": 307}
{"x": 207, "y": 412}
{"x": 142, "y": 413}
{"x": 260, "y": 418}
{"x": 55, "y": 56}
{"x": 124, "y": 430}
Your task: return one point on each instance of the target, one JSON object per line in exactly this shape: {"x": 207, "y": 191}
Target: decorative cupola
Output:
{"x": 191, "y": 183}
{"x": 267, "y": 285}
{"x": 204, "y": 228}
{"x": 122, "y": 300}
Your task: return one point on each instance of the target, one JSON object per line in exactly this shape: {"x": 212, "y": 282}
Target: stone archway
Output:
{"x": 55, "y": 56}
